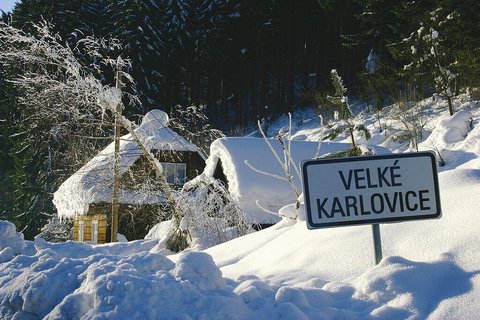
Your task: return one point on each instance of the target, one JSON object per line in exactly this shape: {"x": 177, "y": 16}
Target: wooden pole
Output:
{"x": 116, "y": 164}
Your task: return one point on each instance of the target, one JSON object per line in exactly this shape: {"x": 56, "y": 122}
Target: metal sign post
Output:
{"x": 371, "y": 190}
{"x": 377, "y": 243}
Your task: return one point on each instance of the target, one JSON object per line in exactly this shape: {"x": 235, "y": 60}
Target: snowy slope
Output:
{"x": 431, "y": 269}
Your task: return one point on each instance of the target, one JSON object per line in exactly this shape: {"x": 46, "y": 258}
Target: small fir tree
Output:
{"x": 430, "y": 56}
{"x": 341, "y": 101}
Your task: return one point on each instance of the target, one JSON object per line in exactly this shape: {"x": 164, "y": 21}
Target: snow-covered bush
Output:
{"x": 447, "y": 132}
{"x": 411, "y": 116}
{"x": 57, "y": 230}
{"x": 211, "y": 215}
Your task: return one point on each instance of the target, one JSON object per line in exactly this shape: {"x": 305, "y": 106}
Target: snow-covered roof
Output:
{"x": 249, "y": 186}
{"x": 92, "y": 183}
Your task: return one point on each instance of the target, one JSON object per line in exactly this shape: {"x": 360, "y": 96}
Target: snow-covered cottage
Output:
{"x": 86, "y": 196}
{"x": 228, "y": 162}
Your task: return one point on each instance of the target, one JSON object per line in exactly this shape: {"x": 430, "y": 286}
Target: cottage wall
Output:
{"x": 134, "y": 220}
{"x": 87, "y": 227}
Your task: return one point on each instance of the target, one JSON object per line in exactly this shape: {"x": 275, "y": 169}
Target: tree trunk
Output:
{"x": 450, "y": 106}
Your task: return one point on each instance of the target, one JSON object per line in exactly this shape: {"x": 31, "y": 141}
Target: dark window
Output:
{"x": 175, "y": 173}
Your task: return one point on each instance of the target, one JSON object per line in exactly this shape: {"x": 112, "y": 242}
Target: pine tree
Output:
{"x": 374, "y": 35}
{"x": 74, "y": 19}
{"x": 136, "y": 25}
{"x": 27, "y": 12}
{"x": 460, "y": 37}
{"x": 341, "y": 101}
{"x": 429, "y": 55}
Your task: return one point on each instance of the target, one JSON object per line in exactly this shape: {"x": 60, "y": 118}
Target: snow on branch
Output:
{"x": 259, "y": 205}
{"x": 320, "y": 138}
{"x": 285, "y": 164}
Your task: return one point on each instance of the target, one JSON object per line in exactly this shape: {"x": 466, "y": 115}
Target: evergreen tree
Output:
{"x": 341, "y": 101}
{"x": 375, "y": 33}
{"x": 427, "y": 48}
{"x": 26, "y": 186}
{"x": 6, "y": 17}
{"x": 136, "y": 24}
{"x": 27, "y": 12}
{"x": 460, "y": 36}
{"x": 74, "y": 19}
{"x": 175, "y": 33}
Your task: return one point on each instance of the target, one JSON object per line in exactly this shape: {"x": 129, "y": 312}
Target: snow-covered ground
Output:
{"x": 431, "y": 269}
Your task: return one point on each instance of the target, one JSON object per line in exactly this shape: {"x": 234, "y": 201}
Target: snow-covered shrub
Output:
{"x": 210, "y": 215}
{"x": 412, "y": 117}
{"x": 452, "y": 129}
{"x": 57, "y": 230}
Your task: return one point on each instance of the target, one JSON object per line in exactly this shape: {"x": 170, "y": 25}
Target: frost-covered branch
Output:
{"x": 320, "y": 139}
{"x": 259, "y": 205}
{"x": 193, "y": 124}
{"x": 283, "y": 164}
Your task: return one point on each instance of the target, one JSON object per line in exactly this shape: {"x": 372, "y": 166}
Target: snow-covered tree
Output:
{"x": 193, "y": 124}
{"x": 59, "y": 91}
{"x": 341, "y": 102}
{"x": 137, "y": 26}
{"x": 429, "y": 54}
{"x": 46, "y": 120}
{"x": 74, "y": 18}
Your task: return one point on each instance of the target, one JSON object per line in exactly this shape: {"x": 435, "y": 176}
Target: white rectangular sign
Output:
{"x": 370, "y": 189}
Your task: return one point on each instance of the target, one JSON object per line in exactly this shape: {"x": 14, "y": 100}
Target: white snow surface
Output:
{"x": 92, "y": 183}
{"x": 430, "y": 269}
